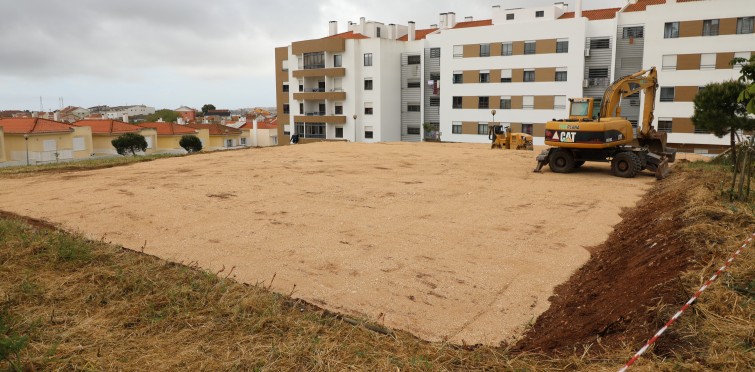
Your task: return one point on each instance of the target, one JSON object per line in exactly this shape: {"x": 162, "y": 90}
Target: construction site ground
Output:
{"x": 449, "y": 242}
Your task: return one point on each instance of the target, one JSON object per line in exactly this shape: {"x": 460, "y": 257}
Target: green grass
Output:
{"x": 88, "y": 164}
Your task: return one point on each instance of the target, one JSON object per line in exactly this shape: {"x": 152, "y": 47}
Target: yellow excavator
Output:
{"x": 609, "y": 137}
{"x": 503, "y": 138}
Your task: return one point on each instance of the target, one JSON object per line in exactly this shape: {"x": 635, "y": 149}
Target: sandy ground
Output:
{"x": 448, "y": 241}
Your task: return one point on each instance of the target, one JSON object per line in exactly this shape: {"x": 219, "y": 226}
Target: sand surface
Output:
{"x": 448, "y": 241}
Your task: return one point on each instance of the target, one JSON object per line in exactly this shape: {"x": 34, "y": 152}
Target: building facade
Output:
{"x": 519, "y": 67}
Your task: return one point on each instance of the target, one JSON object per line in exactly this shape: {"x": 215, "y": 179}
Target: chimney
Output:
{"x": 125, "y": 118}
{"x": 434, "y": 25}
{"x": 392, "y": 31}
{"x": 468, "y": 19}
{"x": 35, "y": 114}
{"x": 578, "y": 9}
{"x": 412, "y": 31}
{"x": 56, "y": 116}
{"x": 451, "y": 19}
{"x": 333, "y": 29}
{"x": 443, "y": 21}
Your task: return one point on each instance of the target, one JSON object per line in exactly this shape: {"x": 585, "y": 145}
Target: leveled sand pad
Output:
{"x": 447, "y": 241}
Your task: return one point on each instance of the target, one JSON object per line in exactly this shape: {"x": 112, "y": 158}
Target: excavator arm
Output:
{"x": 645, "y": 81}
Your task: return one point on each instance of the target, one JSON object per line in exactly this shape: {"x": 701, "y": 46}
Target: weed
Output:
{"x": 11, "y": 343}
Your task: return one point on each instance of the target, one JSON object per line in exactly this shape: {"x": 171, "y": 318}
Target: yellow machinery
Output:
{"x": 503, "y": 138}
{"x": 609, "y": 137}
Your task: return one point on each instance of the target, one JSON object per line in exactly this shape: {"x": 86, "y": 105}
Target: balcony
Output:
{"x": 320, "y": 117}
{"x": 597, "y": 82}
{"x": 319, "y": 94}
{"x": 320, "y": 72}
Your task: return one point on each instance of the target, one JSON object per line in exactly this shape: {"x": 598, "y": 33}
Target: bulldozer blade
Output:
{"x": 663, "y": 170}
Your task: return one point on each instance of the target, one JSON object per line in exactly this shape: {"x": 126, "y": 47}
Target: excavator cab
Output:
{"x": 581, "y": 109}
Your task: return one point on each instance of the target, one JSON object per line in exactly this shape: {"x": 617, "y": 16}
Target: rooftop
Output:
{"x": 169, "y": 129}
{"x": 33, "y": 126}
{"x": 216, "y": 129}
{"x": 108, "y": 126}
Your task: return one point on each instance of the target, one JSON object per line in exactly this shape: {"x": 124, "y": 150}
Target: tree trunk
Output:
{"x": 734, "y": 151}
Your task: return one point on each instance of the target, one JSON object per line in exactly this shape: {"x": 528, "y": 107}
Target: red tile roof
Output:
{"x": 33, "y": 126}
{"x": 108, "y": 126}
{"x": 169, "y": 129}
{"x": 484, "y": 22}
{"x": 594, "y": 14}
{"x": 419, "y": 34}
{"x": 348, "y": 35}
{"x": 643, "y": 4}
{"x": 216, "y": 129}
{"x": 265, "y": 124}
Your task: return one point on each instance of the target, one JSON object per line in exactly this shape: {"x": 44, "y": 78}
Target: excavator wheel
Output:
{"x": 626, "y": 164}
{"x": 561, "y": 161}
{"x": 579, "y": 163}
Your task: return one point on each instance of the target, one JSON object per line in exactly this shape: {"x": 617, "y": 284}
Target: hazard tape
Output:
{"x": 688, "y": 304}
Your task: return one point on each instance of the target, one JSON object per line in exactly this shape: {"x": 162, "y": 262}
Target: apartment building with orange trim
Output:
{"x": 380, "y": 82}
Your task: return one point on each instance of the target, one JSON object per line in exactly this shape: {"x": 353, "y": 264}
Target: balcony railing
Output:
{"x": 598, "y": 82}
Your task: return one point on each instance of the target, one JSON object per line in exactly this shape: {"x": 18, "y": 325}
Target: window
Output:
{"x": 482, "y": 128}
{"x": 528, "y": 102}
{"x": 314, "y": 130}
{"x": 314, "y": 60}
{"x": 560, "y": 75}
{"x": 79, "y": 144}
{"x": 507, "y": 49}
{"x": 458, "y": 51}
{"x": 708, "y": 61}
{"x": 301, "y": 87}
{"x": 745, "y": 25}
{"x": 435, "y": 77}
{"x": 600, "y": 43}
{"x": 434, "y": 101}
{"x": 633, "y": 32}
{"x": 529, "y": 75}
{"x": 458, "y": 77}
{"x": 368, "y": 133}
{"x": 484, "y": 50}
{"x": 285, "y": 65}
{"x": 667, "y": 94}
{"x": 562, "y": 46}
{"x": 456, "y": 102}
{"x": 286, "y": 129}
{"x": 505, "y": 103}
{"x": 671, "y": 30}
{"x": 664, "y": 125}
{"x": 286, "y": 109}
{"x": 669, "y": 62}
{"x": 413, "y": 84}
{"x": 413, "y": 107}
{"x": 529, "y": 47}
{"x": 377, "y": 32}
{"x": 509, "y": 16}
{"x": 242, "y": 141}
{"x": 412, "y": 130}
{"x": 710, "y": 27}
{"x": 483, "y": 102}
{"x": 337, "y": 60}
{"x": 368, "y": 108}
{"x": 414, "y": 60}
{"x": 339, "y": 110}
{"x": 597, "y": 73}
{"x": 301, "y": 109}
{"x": 527, "y": 128}
{"x": 745, "y": 55}
{"x": 539, "y": 14}
{"x": 484, "y": 76}
{"x": 456, "y": 127}
{"x": 434, "y": 52}
{"x": 339, "y": 132}
{"x": 559, "y": 102}
{"x": 285, "y": 88}
{"x": 368, "y": 59}
{"x": 506, "y": 76}
{"x": 367, "y": 84}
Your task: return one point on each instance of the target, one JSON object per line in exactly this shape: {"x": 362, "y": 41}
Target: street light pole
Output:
{"x": 26, "y": 140}
{"x": 355, "y": 127}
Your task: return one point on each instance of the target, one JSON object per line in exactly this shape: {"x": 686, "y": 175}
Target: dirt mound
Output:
{"x": 613, "y": 299}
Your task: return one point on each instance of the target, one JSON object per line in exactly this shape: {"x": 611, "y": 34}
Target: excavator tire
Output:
{"x": 561, "y": 161}
{"x": 626, "y": 164}
{"x": 579, "y": 163}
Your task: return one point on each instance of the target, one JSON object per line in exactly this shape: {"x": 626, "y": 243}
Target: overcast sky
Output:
{"x": 169, "y": 53}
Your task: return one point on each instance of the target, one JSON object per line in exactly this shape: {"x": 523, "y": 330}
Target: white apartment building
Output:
{"x": 381, "y": 83}
{"x": 120, "y": 112}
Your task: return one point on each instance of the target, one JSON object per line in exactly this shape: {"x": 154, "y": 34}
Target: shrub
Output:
{"x": 129, "y": 142}
{"x": 190, "y": 143}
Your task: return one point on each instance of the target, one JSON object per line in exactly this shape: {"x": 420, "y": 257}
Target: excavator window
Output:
{"x": 579, "y": 109}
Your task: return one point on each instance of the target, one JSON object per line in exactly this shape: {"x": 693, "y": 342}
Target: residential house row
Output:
{"x": 378, "y": 82}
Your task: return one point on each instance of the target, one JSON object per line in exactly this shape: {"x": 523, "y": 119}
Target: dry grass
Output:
{"x": 89, "y": 305}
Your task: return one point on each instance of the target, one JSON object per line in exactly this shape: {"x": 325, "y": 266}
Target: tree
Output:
{"x": 129, "y": 142}
{"x": 747, "y": 97}
{"x": 207, "y": 107}
{"x": 168, "y": 116}
{"x": 190, "y": 143}
{"x": 717, "y": 110}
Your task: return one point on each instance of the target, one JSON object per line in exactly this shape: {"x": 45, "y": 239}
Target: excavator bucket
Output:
{"x": 663, "y": 170}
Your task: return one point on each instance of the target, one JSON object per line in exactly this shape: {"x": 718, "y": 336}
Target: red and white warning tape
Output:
{"x": 688, "y": 304}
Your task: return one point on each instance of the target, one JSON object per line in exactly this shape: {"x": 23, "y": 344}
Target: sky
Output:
{"x": 171, "y": 53}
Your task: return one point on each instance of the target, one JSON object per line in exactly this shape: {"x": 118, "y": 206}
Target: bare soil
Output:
{"x": 450, "y": 242}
